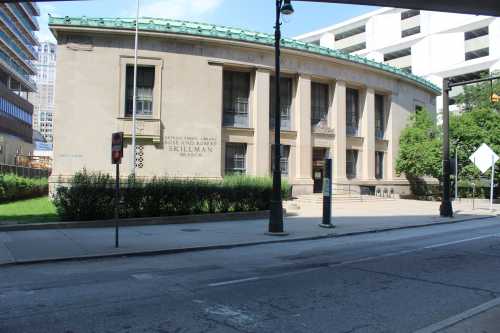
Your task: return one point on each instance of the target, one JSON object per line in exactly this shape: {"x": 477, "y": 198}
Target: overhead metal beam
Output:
{"x": 477, "y": 7}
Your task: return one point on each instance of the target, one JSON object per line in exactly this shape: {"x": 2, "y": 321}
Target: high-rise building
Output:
{"x": 434, "y": 45}
{"x": 17, "y": 51}
{"x": 43, "y": 100}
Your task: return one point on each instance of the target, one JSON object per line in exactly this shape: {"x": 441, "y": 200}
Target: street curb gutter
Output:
{"x": 143, "y": 221}
{"x": 230, "y": 246}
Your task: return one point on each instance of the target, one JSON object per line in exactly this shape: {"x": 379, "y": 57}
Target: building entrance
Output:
{"x": 319, "y": 155}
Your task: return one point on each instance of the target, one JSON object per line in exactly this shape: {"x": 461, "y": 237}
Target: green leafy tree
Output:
{"x": 478, "y": 96}
{"x": 467, "y": 132}
{"x": 421, "y": 144}
{"x": 420, "y": 147}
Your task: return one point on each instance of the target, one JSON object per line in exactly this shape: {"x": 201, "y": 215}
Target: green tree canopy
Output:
{"x": 420, "y": 147}
{"x": 421, "y": 142}
{"x": 478, "y": 96}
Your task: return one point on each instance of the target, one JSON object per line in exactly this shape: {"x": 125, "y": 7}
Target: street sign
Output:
{"x": 117, "y": 147}
{"x": 484, "y": 158}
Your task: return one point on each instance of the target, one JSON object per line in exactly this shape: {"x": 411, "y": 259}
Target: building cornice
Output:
{"x": 232, "y": 34}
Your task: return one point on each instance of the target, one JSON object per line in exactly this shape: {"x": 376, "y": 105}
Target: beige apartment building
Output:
{"x": 205, "y": 104}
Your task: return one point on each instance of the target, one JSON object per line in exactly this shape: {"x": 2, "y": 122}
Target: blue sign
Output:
{"x": 43, "y": 146}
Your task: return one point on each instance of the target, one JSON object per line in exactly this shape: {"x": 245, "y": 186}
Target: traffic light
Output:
{"x": 117, "y": 147}
{"x": 495, "y": 98}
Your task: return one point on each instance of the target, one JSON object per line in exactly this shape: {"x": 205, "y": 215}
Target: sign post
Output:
{"x": 492, "y": 180}
{"x": 327, "y": 195}
{"x": 116, "y": 159}
{"x": 484, "y": 158}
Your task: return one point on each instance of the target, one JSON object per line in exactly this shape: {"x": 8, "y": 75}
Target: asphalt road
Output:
{"x": 398, "y": 281}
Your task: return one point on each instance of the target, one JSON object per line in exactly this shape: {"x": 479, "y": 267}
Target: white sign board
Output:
{"x": 484, "y": 157}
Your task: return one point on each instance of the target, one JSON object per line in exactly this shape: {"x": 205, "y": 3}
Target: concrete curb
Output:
{"x": 230, "y": 246}
{"x": 129, "y": 222}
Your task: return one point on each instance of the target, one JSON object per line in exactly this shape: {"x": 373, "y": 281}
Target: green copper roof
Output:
{"x": 215, "y": 31}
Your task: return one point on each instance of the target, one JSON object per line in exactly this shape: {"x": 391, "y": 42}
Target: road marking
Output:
{"x": 459, "y": 241}
{"x": 224, "y": 283}
{"x": 353, "y": 261}
{"x": 460, "y": 317}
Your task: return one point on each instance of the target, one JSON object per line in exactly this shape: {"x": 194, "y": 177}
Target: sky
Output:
{"x": 257, "y": 15}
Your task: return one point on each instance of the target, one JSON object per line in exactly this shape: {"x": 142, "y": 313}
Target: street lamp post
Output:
{"x": 446, "y": 209}
{"x": 276, "y": 213}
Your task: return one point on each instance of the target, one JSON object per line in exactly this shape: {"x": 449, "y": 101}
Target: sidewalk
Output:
{"x": 349, "y": 218}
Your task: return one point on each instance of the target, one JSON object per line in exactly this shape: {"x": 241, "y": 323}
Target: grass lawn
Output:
{"x": 29, "y": 211}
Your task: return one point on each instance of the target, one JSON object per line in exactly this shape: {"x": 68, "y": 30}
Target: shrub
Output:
{"x": 13, "y": 188}
{"x": 90, "y": 196}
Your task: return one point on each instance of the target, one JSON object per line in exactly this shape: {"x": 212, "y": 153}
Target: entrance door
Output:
{"x": 318, "y": 180}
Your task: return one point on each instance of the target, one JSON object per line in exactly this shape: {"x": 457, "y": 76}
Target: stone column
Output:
{"x": 303, "y": 181}
{"x": 393, "y": 141}
{"x": 339, "y": 124}
{"x": 260, "y": 111}
{"x": 368, "y": 133}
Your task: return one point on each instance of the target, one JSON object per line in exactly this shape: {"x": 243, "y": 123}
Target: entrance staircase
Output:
{"x": 338, "y": 198}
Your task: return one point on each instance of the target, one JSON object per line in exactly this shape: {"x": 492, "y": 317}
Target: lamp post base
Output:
{"x": 446, "y": 209}
{"x": 327, "y": 226}
{"x": 276, "y": 217}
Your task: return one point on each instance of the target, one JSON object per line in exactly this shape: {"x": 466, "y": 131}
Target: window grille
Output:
{"x": 352, "y": 112}
{"x": 235, "y": 158}
{"x": 235, "y": 98}
{"x": 351, "y": 163}
{"x": 379, "y": 117}
{"x": 319, "y": 104}
{"x": 379, "y": 165}
{"x": 285, "y": 102}
{"x": 284, "y": 157}
{"x": 145, "y": 86}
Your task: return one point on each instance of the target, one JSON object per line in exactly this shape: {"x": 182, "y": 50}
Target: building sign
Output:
{"x": 191, "y": 146}
{"x": 44, "y": 146}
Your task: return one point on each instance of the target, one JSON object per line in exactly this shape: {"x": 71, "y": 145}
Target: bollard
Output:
{"x": 327, "y": 195}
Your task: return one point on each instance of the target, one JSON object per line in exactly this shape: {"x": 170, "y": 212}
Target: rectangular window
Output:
{"x": 235, "y": 98}
{"x": 351, "y": 163}
{"x": 236, "y": 158}
{"x": 145, "y": 86}
{"x": 409, "y": 13}
{"x": 476, "y": 33}
{"x": 285, "y": 102}
{"x": 397, "y": 54}
{"x": 319, "y": 104}
{"x": 379, "y": 116}
{"x": 349, "y": 33}
{"x": 410, "y": 32}
{"x": 379, "y": 164}
{"x": 352, "y": 111}
{"x": 477, "y": 53}
{"x": 284, "y": 155}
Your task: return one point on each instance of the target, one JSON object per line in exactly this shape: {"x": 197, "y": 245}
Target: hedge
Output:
{"x": 13, "y": 187}
{"x": 90, "y": 196}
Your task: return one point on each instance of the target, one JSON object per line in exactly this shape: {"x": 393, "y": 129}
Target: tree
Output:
{"x": 421, "y": 144}
{"x": 467, "y": 132}
{"x": 478, "y": 96}
{"x": 420, "y": 147}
